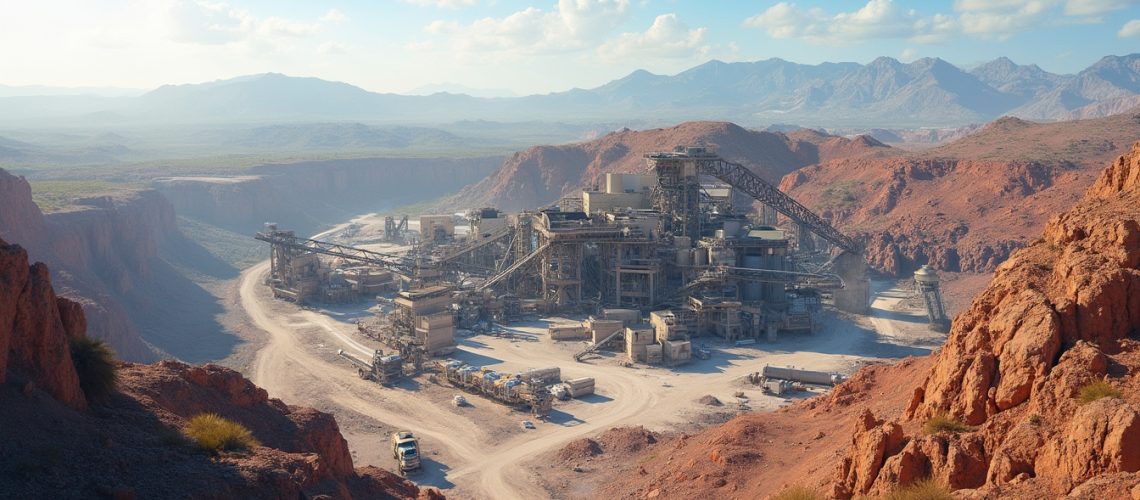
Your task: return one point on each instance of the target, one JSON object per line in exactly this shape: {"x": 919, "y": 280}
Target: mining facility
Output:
{"x": 651, "y": 259}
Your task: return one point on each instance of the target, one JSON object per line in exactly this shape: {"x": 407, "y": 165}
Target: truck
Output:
{"x": 406, "y": 451}
{"x": 383, "y": 369}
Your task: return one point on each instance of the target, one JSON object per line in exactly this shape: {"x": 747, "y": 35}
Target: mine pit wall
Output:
{"x": 306, "y": 195}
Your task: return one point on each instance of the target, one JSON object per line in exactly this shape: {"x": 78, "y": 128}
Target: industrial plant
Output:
{"x": 651, "y": 260}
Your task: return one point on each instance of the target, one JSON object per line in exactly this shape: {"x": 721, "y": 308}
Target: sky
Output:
{"x": 525, "y": 47}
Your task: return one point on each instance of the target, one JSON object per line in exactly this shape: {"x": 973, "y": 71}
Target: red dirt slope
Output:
{"x": 542, "y": 174}
{"x": 57, "y": 445}
{"x": 966, "y": 205}
{"x": 1059, "y": 315}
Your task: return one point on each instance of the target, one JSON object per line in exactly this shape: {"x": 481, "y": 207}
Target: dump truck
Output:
{"x": 406, "y": 451}
{"x": 384, "y": 369}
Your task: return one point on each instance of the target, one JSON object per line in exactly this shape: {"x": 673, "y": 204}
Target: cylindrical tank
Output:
{"x": 548, "y": 375}
{"x": 700, "y": 257}
{"x": 926, "y": 274}
{"x": 718, "y": 234}
{"x": 805, "y": 376}
{"x": 753, "y": 290}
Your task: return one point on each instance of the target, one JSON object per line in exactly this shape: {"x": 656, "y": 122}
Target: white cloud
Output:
{"x": 1001, "y": 19}
{"x": 334, "y": 16}
{"x": 212, "y": 23}
{"x": 875, "y": 20}
{"x": 574, "y": 24}
{"x": 908, "y": 54}
{"x": 1130, "y": 29}
{"x": 882, "y": 19}
{"x": 332, "y": 48}
{"x": 668, "y": 37}
{"x": 450, "y": 4}
{"x": 1095, "y": 7}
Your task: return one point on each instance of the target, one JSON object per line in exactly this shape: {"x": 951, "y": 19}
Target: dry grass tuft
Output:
{"x": 797, "y": 492}
{"x": 214, "y": 433}
{"x": 927, "y": 489}
{"x": 945, "y": 423}
{"x": 1095, "y": 390}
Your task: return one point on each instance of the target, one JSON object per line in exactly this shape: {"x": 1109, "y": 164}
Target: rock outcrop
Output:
{"x": 115, "y": 254}
{"x": 1036, "y": 389}
{"x": 36, "y": 328}
{"x": 1060, "y": 314}
{"x": 57, "y": 446}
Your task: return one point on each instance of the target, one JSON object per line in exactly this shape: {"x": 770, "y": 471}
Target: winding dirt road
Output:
{"x": 482, "y": 460}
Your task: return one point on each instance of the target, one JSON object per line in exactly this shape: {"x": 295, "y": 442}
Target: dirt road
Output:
{"x": 482, "y": 451}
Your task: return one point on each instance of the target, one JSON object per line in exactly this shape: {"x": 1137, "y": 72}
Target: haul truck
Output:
{"x": 406, "y": 450}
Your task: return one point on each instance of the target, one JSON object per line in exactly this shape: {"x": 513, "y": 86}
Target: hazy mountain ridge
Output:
{"x": 926, "y": 92}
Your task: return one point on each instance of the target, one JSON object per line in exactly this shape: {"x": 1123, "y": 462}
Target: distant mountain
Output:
{"x": 885, "y": 93}
{"x": 1112, "y": 78}
{"x": 333, "y": 136}
{"x": 455, "y": 88}
{"x": 1027, "y": 82}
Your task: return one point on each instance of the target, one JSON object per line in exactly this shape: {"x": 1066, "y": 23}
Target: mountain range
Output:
{"x": 928, "y": 92}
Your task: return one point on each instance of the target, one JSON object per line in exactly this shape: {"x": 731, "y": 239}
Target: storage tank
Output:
{"x": 700, "y": 257}
{"x": 805, "y": 376}
{"x": 753, "y": 290}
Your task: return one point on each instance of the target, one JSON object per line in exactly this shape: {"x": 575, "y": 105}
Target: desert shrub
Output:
{"x": 945, "y": 423}
{"x": 1095, "y": 390}
{"x": 797, "y": 492}
{"x": 1035, "y": 419}
{"x": 95, "y": 365}
{"x": 927, "y": 489}
{"x": 214, "y": 433}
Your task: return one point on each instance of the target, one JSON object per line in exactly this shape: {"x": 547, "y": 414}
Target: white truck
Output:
{"x": 406, "y": 451}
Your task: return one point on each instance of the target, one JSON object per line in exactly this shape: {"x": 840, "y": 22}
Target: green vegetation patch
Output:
{"x": 214, "y": 433}
{"x": 53, "y": 196}
{"x": 840, "y": 195}
{"x": 1095, "y": 390}
{"x": 945, "y": 423}
{"x": 95, "y": 365}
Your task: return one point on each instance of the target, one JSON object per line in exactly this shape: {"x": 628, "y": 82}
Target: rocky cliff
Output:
{"x": 35, "y": 329}
{"x": 542, "y": 174}
{"x": 57, "y": 446}
{"x": 1034, "y": 394}
{"x": 116, "y": 255}
{"x": 1060, "y": 315}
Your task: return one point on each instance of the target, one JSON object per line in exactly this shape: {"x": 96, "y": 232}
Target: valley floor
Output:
{"x": 482, "y": 451}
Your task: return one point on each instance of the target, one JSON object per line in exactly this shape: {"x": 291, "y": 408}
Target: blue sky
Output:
{"x": 528, "y": 47}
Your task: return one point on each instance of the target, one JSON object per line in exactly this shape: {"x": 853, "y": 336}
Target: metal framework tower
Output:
{"x": 926, "y": 283}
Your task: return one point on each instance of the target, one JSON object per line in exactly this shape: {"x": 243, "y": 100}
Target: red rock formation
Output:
{"x": 54, "y": 447}
{"x": 1056, "y": 317}
{"x": 1059, "y": 314}
{"x": 967, "y": 205}
{"x": 542, "y": 174}
{"x": 34, "y": 336}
